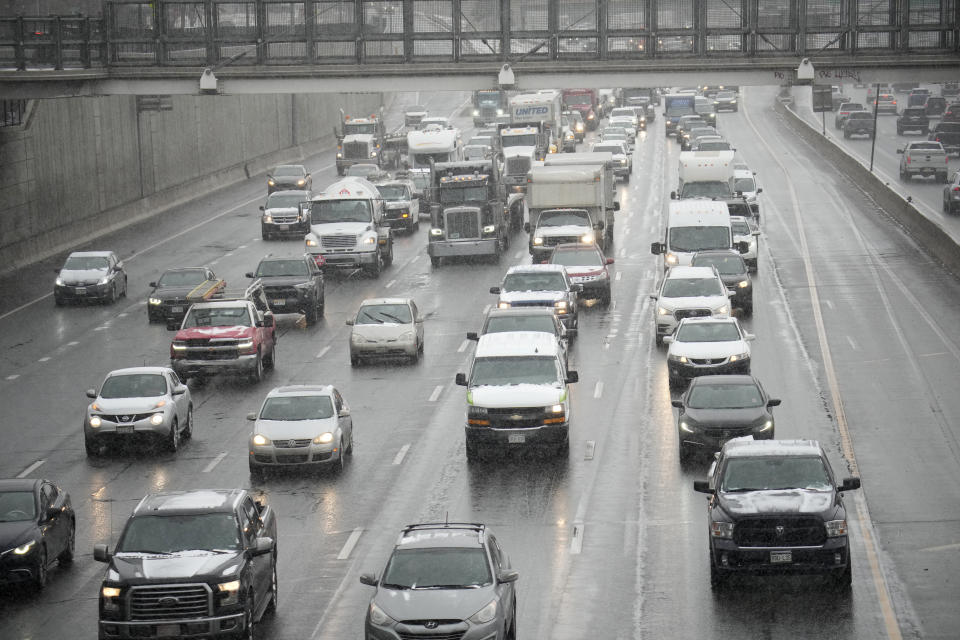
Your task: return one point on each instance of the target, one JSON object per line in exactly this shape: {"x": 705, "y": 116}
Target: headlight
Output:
{"x": 25, "y": 548}
{"x": 560, "y": 304}
{"x": 179, "y": 346}
{"x": 311, "y": 242}
{"x": 436, "y": 232}
{"x": 623, "y": 160}
{"x": 95, "y": 421}
{"x": 110, "y": 592}
{"x": 489, "y": 228}
{"x": 570, "y": 136}
{"x": 377, "y": 616}
{"x": 538, "y": 241}
{"x": 499, "y": 112}
{"x": 676, "y": 358}
{"x": 230, "y": 591}
{"x": 103, "y": 280}
{"x": 261, "y": 440}
{"x": 557, "y": 408}
{"x": 723, "y": 310}
{"x": 503, "y": 305}
{"x": 587, "y": 238}
{"x": 323, "y": 438}
{"x": 154, "y": 301}
{"x": 370, "y": 240}
{"x": 743, "y": 284}
{"x": 486, "y": 614}
{"x": 580, "y": 126}
{"x": 339, "y": 155}
{"x": 245, "y": 344}
{"x": 721, "y": 530}
{"x": 685, "y": 427}
{"x": 373, "y": 154}
{"x": 767, "y": 426}
{"x": 271, "y": 183}
{"x": 301, "y": 182}
{"x": 739, "y": 356}
{"x": 672, "y": 258}
{"x": 58, "y": 281}
{"x": 836, "y": 528}
{"x": 476, "y": 112}
{"x": 663, "y": 311}
{"x": 156, "y": 419}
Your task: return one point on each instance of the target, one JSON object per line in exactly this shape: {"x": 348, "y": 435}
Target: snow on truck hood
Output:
{"x": 355, "y": 228}
{"x": 532, "y": 296}
{"x": 564, "y": 230}
{"x": 517, "y": 395}
{"x": 777, "y": 501}
{"x": 236, "y": 331}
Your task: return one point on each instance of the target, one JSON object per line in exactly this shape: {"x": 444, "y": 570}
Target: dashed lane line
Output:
{"x": 576, "y": 541}
{"x": 463, "y": 346}
{"x": 13, "y": 376}
{"x": 44, "y": 359}
{"x": 215, "y": 462}
{"x": 398, "y": 459}
{"x": 349, "y": 544}
{"x": 598, "y": 389}
{"x": 30, "y": 469}
{"x": 436, "y": 393}
{"x": 323, "y": 352}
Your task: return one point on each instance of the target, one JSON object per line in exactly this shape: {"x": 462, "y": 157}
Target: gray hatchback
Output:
{"x": 443, "y": 580}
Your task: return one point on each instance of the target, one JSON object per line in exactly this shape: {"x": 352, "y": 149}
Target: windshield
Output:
{"x": 560, "y": 218}
{"x": 511, "y": 370}
{"x": 135, "y": 385}
{"x": 775, "y": 472}
{"x": 851, "y": 106}
{"x": 217, "y": 317}
{"x": 744, "y": 184}
{"x": 577, "y": 257}
{"x": 393, "y": 192}
{"x": 691, "y": 287}
{"x": 726, "y": 95}
{"x": 609, "y": 148}
{"x": 578, "y": 99}
{"x": 297, "y": 408}
{"x": 450, "y": 194}
{"x": 438, "y": 568}
{"x": 680, "y": 107}
{"x": 174, "y": 533}
{"x": 713, "y": 145}
{"x": 699, "y": 238}
{"x": 489, "y": 98}
{"x": 740, "y": 227}
{"x": 547, "y": 281}
{"x": 352, "y": 128}
{"x": 269, "y": 268}
{"x": 519, "y": 140}
{"x": 86, "y": 263}
{"x": 288, "y": 170}
{"x": 182, "y": 278}
{"x": 725, "y": 396}
{"x": 481, "y": 140}
{"x": 340, "y": 211}
{"x": 423, "y": 159}
{"x": 708, "y": 332}
{"x": 282, "y": 200}
{"x": 623, "y": 113}
{"x": 17, "y": 506}
{"x": 384, "y": 314}
{"x": 726, "y": 265}
{"x": 500, "y": 324}
{"x": 706, "y": 189}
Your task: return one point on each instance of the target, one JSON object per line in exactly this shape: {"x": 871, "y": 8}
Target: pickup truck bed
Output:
{"x": 923, "y": 159}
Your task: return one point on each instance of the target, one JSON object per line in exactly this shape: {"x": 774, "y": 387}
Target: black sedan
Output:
{"x": 734, "y": 273}
{"x": 289, "y": 176}
{"x": 37, "y": 527}
{"x": 177, "y": 289}
{"x": 715, "y": 409}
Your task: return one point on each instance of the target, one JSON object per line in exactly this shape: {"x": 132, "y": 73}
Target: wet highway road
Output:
{"x": 609, "y": 543}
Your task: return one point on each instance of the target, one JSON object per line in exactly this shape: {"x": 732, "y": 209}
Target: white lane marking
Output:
{"x": 946, "y": 547}
{"x": 72, "y": 343}
{"x": 390, "y": 284}
{"x": 44, "y": 359}
{"x": 617, "y": 277}
{"x": 323, "y": 352}
{"x": 486, "y": 309}
{"x": 853, "y": 345}
{"x": 829, "y": 304}
{"x": 349, "y": 544}
{"x": 13, "y": 376}
{"x": 103, "y": 328}
{"x": 215, "y": 462}
{"x": 30, "y": 469}
{"x": 930, "y": 355}
{"x": 122, "y": 315}
{"x": 243, "y": 246}
{"x": 598, "y": 389}
{"x": 436, "y": 393}
{"x": 214, "y": 261}
{"x": 400, "y": 454}
{"x": 518, "y": 255}
{"x": 623, "y": 252}
{"x": 576, "y": 542}
{"x": 463, "y": 346}
{"x": 647, "y": 274}
{"x": 591, "y": 450}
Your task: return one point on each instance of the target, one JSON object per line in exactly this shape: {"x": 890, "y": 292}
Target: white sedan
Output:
{"x": 707, "y": 346}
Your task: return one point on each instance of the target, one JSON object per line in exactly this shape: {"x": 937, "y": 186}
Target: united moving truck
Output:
{"x": 601, "y": 195}
{"x": 694, "y": 225}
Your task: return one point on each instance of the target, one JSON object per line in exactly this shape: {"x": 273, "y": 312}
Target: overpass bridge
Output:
{"x": 301, "y": 46}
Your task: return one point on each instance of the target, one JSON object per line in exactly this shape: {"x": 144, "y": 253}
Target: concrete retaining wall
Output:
{"x": 931, "y": 236}
{"x": 80, "y": 167}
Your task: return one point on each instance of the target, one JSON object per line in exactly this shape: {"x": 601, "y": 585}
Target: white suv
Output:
{"x": 688, "y": 292}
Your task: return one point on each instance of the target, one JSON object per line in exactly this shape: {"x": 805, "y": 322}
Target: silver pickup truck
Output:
{"x": 923, "y": 159}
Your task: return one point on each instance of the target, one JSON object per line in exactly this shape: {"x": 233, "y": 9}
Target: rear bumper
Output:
{"x": 687, "y": 371}
{"x": 90, "y": 292}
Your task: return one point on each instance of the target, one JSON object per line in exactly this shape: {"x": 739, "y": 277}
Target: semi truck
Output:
{"x": 585, "y": 102}
{"x": 534, "y": 130}
{"x": 359, "y": 140}
{"x": 490, "y": 107}
{"x": 596, "y": 191}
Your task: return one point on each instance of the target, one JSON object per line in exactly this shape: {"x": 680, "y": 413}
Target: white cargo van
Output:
{"x": 694, "y": 225}
{"x": 705, "y": 174}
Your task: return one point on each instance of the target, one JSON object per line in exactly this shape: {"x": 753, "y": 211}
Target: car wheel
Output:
{"x": 718, "y": 577}
{"x": 606, "y": 298}
{"x": 188, "y": 428}
{"x": 377, "y": 266}
{"x": 66, "y": 556}
{"x": 349, "y": 449}
{"x": 846, "y": 134}
{"x": 416, "y": 225}
{"x": 473, "y": 452}
{"x": 257, "y": 472}
{"x": 434, "y": 261}
{"x": 563, "y": 449}
{"x": 657, "y": 339}
{"x": 388, "y": 259}
{"x": 322, "y": 307}
{"x": 354, "y": 360}
{"x": 173, "y": 439}
{"x": 674, "y": 383}
{"x": 126, "y": 285}
{"x": 310, "y": 314}
{"x": 942, "y": 178}
{"x": 257, "y": 374}
{"x": 271, "y": 362}
{"x": 57, "y": 300}
{"x": 512, "y": 631}
{"x": 248, "y": 609}
{"x": 341, "y": 458}
{"x": 685, "y": 453}
{"x": 748, "y": 309}
{"x": 271, "y": 609}
{"x": 40, "y": 571}
{"x": 93, "y": 449}
{"x": 113, "y": 294}
{"x": 843, "y": 578}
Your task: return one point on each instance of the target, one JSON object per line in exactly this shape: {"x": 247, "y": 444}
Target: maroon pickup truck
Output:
{"x": 224, "y": 336}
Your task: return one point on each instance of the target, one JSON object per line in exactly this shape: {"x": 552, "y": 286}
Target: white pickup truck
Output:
{"x": 924, "y": 158}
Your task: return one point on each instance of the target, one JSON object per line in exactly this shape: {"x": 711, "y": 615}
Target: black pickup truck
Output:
{"x": 190, "y": 564}
{"x": 948, "y": 135}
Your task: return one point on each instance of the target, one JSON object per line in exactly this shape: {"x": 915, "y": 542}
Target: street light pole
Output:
{"x": 873, "y": 138}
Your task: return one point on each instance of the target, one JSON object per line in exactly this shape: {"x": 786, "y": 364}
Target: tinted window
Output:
{"x": 86, "y": 263}
{"x": 725, "y": 396}
{"x": 707, "y": 332}
{"x": 340, "y": 211}
{"x": 699, "y": 238}
{"x": 515, "y": 370}
{"x": 17, "y": 506}
{"x": 170, "y": 534}
{"x": 775, "y": 472}
{"x": 499, "y": 324}
{"x": 561, "y": 218}
{"x": 384, "y": 314}
{"x": 138, "y": 385}
{"x": 394, "y": 192}
{"x": 217, "y": 317}
{"x": 288, "y": 170}
{"x": 577, "y": 257}
{"x": 726, "y": 265}
{"x": 282, "y": 268}
{"x": 432, "y": 568}
{"x": 547, "y": 281}
{"x": 182, "y": 278}
{"x": 297, "y": 408}
{"x": 282, "y": 200}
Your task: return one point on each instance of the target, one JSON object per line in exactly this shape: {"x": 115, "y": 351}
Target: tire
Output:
{"x": 658, "y": 339}
{"x": 563, "y": 450}
{"x": 473, "y": 452}
{"x": 377, "y": 266}
{"x": 173, "y": 440}
{"x": 685, "y": 453}
{"x": 748, "y": 310}
{"x": 718, "y": 577}
{"x": 248, "y": 609}
{"x": 257, "y": 374}
{"x": 93, "y": 449}
{"x": 65, "y": 559}
{"x": 187, "y": 431}
{"x": 40, "y": 573}
{"x": 113, "y": 294}
{"x": 354, "y": 360}
{"x": 58, "y": 301}
{"x": 434, "y": 261}
{"x": 257, "y": 473}
{"x": 271, "y": 362}
{"x": 341, "y": 171}
{"x": 388, "y": 259}
{"x": 843, "y": 578}
{"x": 942, "y": 178}
{"x": 310, "y": 314}
{"x": 339, "y": 465}
{"x": 349, "y": 449}
{"x": 271, "y": 609}
{"x": 846, "y": 134}
{"x": 125, "y": 285}
{"x": 606, "y": 298}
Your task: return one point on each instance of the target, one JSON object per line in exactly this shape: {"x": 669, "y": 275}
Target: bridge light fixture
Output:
{"x": 506, "y": 79}
{"x": 208, "y": 81}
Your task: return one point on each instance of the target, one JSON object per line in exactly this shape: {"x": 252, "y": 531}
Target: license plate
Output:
{"x": 176, "y": 309}
{"x": 168, "y": 630}
{"x": 124, "y": 428}
{"x": 927, "y": 170}
{"x": 81, "y": 291}
{"x": 781, "y": 557}
{"x": 279, "y": 302}
{"x": 283, "y": 227}
{"x": 516, "y": 438}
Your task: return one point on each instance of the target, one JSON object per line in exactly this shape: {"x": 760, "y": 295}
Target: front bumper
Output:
{"x": 713, "y": 438}
{"x": 292, "y": 229}
{"x": 395, "y": 220}
{"x": 448, "y": 248}
{"x": 113, "y": 430}
{"x": 688, "y": 370}
{"x": 347, "y": 259}
{"x": 242, "y": 364}
{"x": 832, "y": 556}
{"x": 15, "y": 569}
{"x": 88, "y": 292}
{"x": 312, "y": 455}
{"x": 215, "y": 627}
{"x": 447, "y": 629}
{"x": 547, "y": 435}
{"x": 299, "y": 304}
{"x": 383, "y": 349}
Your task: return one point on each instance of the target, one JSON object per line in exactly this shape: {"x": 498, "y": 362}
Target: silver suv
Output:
{"x": 688, "y": 292}
{"x": 448, "y": 580}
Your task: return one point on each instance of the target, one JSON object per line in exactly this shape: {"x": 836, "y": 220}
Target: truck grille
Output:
{"x": 780, "y": 532}
{"x": 680, "y": 314}
{"x": 291, "y": 444}
{"x": 341, "y": 241}
{"x": 518, "y": 165}
{"x": 463, "y": 225}
{"x": 552, "y": 241}
{"x": 205, "y": 342}
{"x": 170, "y": 602}
{"x": 281, "y": 292}
{"x": 287, "y": 218}
{"x": 513, "y": 418}
{"x": 355, "y": 151}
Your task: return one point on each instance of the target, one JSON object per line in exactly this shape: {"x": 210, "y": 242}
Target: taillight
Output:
{"x": 908, "y": 159}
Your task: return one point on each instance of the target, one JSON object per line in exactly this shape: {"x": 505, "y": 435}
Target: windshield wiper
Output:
{"x": 148, "y": 552}
{"x": 449, "y": 586}
{"x": 394, "y": 318}
{"x": 744, "y": 489}
{"x": 390, "y": 585}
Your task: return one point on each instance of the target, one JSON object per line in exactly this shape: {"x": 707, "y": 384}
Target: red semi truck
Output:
{"x": 584, "y": 101}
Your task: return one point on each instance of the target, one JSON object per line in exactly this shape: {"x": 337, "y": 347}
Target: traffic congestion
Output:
{"x": 464, "y": 376}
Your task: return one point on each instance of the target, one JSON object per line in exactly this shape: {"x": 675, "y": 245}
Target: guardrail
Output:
{"x": 167, "y": 33}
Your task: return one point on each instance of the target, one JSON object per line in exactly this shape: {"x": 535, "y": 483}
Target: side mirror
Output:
{"x": 180, "y": 389}
{"x": 251, "y": 417}
{"x": 344, "y": 413}
{"x": 668, "y": 340}
{"x": 755, "y": 234}
{"x": 760, "y": 190}
{"x": 261, "y": 208}
{"x": 599, "y": 225}
{"x": 730, "y": 294}
{"x": 249, "y": 274}
{"x": 576, "y": 288}
{"x": 616, "y": 205}
{"x": 472, "y": 335}
{"x": 495, "y": 290}
{"x": 262, "y": 546}
{"x": 673, "y": 195}
{"x": 677, "y": 403}
{"x": 608, "y": 261}
{"x": 749, "y": 337}
{"x": 526, "y": 227}
{"x": 118, "y": 266}
{"x": 657, "y": 248}
{"x": 152, "y": 284}
{"x": 261, "y": 322}
{"x": 849, "y": 484}
{"x": 369, "y": 579}
{"x": 101, "y": 553}
{"x": 702, "y": 486}
{"x": 461, "y": 379}
{"x": 899, "y": 150}
{"x": 508, "y": 576}
{"x": 572, "y": 376}
{"x": 742, "y": 247}
{"x": 654, "y": 296}
{"x": 773, "y": 402}
{"x": 91, "y": 393}
{"x": 52, "y": 512}
{"x": 349, "y": 323}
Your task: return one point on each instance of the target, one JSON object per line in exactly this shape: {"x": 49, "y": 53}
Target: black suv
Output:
{"x": 913, "y": 119}
{"x": 190, "y": 564}
{"x": 733, "y": 271}
{"x": 858, "y": 123}
{"x": 293, "y": 285}
{"x": 443, "y": 580}
{"x": 775, "y": 507}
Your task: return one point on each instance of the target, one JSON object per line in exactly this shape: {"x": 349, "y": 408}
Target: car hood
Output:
{"x": 382, "y": 332}
{"x": 532, "y": 296}
{"x": 127, "y": 405}
{"x": 13, "y": 534}
{"x": 517, "y": 395}
{"x": 82, "y": 275}
{"x": 290, "y": 429}
{"x": 563, "y": 230}
{"x": 731, "y": 280}
{"x": 725, "y": 417}
{"x": 237, "y": 331}
{"x": 699, "y": 302}
{"x": 186, "y": 565}
{"x": 397, "y": 204}
{"x": 575, "y": 271}
{"x": 176, "y": 291}
{"x": 782, "y": 501}
{"x": 346, "y": 228}
{"x": 527, "y": 152}
{"x": 275, "y": 211}
{"x": 707, "y": 349}
{"x": 282, "y": 281}
{"x": 426, "y": 604}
